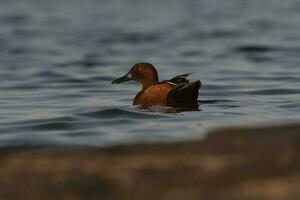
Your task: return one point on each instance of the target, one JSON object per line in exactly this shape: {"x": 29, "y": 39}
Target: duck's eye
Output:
{"x": 140, "y": 69}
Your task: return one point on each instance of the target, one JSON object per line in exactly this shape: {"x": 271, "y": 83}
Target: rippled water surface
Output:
{"x": 57, "y": 59}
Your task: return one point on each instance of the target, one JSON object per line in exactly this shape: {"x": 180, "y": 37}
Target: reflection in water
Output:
{"x": 170, "y": 110}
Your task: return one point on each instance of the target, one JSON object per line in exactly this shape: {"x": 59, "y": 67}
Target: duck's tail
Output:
{"x": 184, "y": 93}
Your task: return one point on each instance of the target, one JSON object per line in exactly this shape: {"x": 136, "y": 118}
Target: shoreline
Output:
{"x": 231, "y": 163}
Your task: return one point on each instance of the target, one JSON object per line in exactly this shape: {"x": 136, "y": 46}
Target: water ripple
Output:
{"x": 119, "y": 113}
{"x": 274, "y": 92}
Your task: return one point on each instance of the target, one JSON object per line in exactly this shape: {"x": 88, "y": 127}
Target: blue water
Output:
{"x": 57, "y": 59}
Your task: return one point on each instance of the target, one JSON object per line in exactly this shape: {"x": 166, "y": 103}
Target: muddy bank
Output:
{"x": 233, "y": 164}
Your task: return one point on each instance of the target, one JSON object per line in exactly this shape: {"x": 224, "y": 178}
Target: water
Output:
{"x": 57, "y": 59}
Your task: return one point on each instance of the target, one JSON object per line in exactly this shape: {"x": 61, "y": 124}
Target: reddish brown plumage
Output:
{"x": 154, "y": 94}
{"x": 173, "y": 92}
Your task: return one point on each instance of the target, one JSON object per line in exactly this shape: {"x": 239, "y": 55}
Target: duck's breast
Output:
{"x": 155, "y": 94}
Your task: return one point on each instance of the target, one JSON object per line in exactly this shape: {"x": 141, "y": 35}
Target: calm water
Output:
{"x": 57, "y": 59}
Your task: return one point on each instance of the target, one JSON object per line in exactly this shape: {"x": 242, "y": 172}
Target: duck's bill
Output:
{"x": 121, "y": 79}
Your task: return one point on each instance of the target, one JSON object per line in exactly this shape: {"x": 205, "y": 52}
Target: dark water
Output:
{"x": 57, "y": 59}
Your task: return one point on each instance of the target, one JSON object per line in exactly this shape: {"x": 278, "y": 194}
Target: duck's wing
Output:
{"x": 178, "y": 80}
{"x": 183, "y": 93}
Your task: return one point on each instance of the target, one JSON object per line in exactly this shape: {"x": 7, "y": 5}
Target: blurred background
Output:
{"x": 57, "y": 59}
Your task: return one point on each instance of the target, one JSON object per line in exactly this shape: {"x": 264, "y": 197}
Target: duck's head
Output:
{"x": 144, "y": 73}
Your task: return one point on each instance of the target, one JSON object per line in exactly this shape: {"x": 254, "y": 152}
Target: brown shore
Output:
{"x": 230, "y": 164}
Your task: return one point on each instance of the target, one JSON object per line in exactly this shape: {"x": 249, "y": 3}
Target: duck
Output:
{"x": 174, "y": 92}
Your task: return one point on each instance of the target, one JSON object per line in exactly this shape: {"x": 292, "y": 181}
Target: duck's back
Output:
{"x": 176, "y": 91}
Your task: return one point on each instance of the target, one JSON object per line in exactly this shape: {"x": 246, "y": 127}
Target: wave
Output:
{"x": 119, "y": 113}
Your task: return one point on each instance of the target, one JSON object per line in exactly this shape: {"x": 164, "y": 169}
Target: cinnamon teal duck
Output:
{"x": 173, "y": 92}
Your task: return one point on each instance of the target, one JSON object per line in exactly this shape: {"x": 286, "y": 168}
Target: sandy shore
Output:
{"x": 233, "y": 164}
